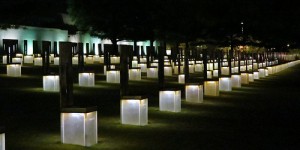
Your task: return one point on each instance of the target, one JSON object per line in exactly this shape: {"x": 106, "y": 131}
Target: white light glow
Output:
{"x": 79, "y": 128}
{"x": 211, "y": 88}
{"x": 2, "y": 141}
{"x": 135, "y": 74}
{"x": 236, "y": 81}
{"x": 113, "y": 76}
{"x": 225, "y": 84}
{"x": 86, "y": 79}
{"x": 152, "y": 72}
{"x": 194, "y": 93}
{"x": 13, "y": 70}
{"x": 134, "y": 111}
{"x": 170, "y": 101}
{"x": 51, "y": 83}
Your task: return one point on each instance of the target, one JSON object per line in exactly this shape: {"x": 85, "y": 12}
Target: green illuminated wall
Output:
{"x": 33, "y": 33}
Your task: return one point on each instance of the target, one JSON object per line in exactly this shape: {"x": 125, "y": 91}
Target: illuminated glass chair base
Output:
{"x": 211, "y": 88}
{"x": 113, "y": 76}
{"x": 244, "y": 78}
{"x": 251, "y": 77}
{"x": 135, "y": 74}
{"x": 152, "y": 72}
{"x": 194, "y": 93}
{"x": 38, "y": 61}
{"x": 79, "y": 126}
{"x": 181, "y": 78}
{"x": 86, "y": 79}
{"x": 236, "y": 81}
{"x": 2, "y": 138}
{"x": 51, "y": 83}
{"x": 56, "y": 60}
{"x": 134, "y": 110}
{"x": 225, "y": 84}
{"x": 170, "y": 100}
{"x": 28, "y": 59}
{"x": 13, "y": 70}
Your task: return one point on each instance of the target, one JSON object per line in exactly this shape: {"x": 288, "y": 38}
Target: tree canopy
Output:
{"x": 273, "y": 22}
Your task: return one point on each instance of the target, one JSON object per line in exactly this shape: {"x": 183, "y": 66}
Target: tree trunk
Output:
{"x": 66, "y": 75}
{"x": 161, "y": 76}
{"x": 186, "y": 62}
{"x": 124, "y": 69}
{"x": 45, "y": 56}
{"x": 230, "y": 56}
{"x": 80, "y": 57}
{"x": 205, "y": 64}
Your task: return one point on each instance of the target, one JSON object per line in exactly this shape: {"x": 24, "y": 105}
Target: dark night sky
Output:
{"x": 266, "y": 17}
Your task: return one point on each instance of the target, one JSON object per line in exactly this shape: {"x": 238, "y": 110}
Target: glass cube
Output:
{"x": 215, "y": 73}
{"x": 134, "y": 63}
{"x": 38, "y": 61}
{"x": 236, "y": 69}
{"x": 2, "y": 139}
{"x": 51, "y": 83}
{"x": 75, "y": 60}
{"x": 249, "y": 67}
{"x": 266, "y": 72}
{"x": 96, "y": 58}
{"x": 209, "y": 74}
{"x": 255, "y": 66}
{"x": 244, "y": 78}
{"x": 181, "y": 78}
{"x": 191, "y": 68}
{"x": 154, "y": 64}
{"x": 270, "y": 70}
{"x": 236, "y": 81}
{"x": 170, "y": 100}
{"x": 111, "y": 67}
{"x": 143, "y": 67}
{"x": 135, "y": 74}
{"x": 113, "y": 76}
{"x": 194, "y": 93}
{"x": 143, "y": 60}
{"x": 28, "y": 59}
{"x": 4, "y": 59}
{"x": 216, "y": 67}
{"x": 51, "y": 57}
{"x": 210, "y": 66}
{"x": 168, "y": 52}
{"x": 86, "y": 79}
{"x": 115, "y": 59}
{"x": 261, "y": 73}
{"x": 211, "y": 88}
{"x": 17, "y": 60}
{"x": 225, "y": 84}
{"x": 101, "y": 59}
{"x": 251, "y": 77}
{"x": 89, "y": 60}
{"x": 224, "y": 70}
{"x": 168, "y": 70}
{"x": 176, "y": 69}
{"x": 56, "y": 60}
{"x": 152, "y": 72}
{"x": 79, "y": 126}
{"x": 13, "y": 70}
{"x": 243, "y": 68}
{"x": 255, "y": 75}
{"x": 134, "y": 110}
{"x": 199, "y": 68}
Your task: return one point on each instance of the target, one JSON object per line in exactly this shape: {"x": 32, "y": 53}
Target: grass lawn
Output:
{"x": 261, "y": 115}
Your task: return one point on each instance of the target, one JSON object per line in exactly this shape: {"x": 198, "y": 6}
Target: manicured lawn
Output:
{"x": 261, "y": 115}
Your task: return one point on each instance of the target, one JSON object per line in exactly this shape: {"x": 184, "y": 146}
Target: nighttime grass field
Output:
{"x": 262, "y": 115}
